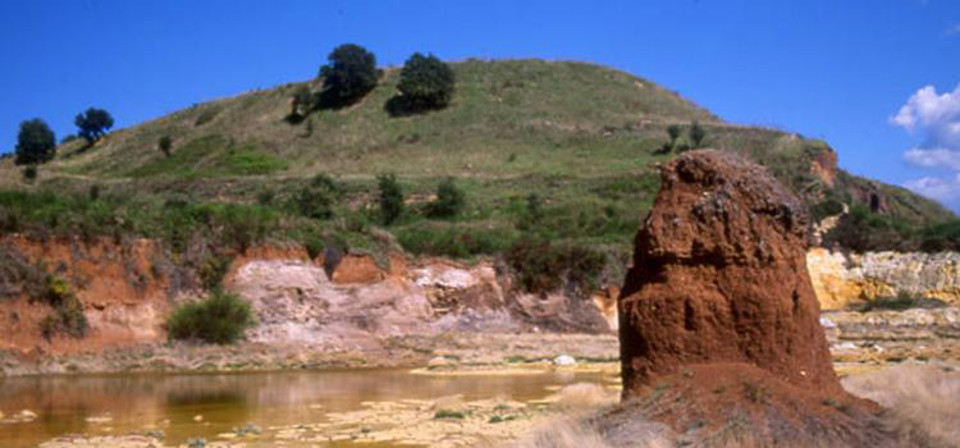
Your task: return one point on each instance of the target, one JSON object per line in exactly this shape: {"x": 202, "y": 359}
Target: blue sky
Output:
{"x": 878, "y": 79}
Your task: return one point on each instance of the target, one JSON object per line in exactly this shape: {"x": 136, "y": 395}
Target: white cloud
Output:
{"x": 934, "y": 158}
{"x": 936, "y": 119}
{"x": 935, "y": 116}
{"x": 943, "y": 190}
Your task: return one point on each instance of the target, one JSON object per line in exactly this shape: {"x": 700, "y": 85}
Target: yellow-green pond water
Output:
{"x": 185, "y": 406}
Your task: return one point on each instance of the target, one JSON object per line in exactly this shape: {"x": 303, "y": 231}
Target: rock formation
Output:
{"x": 844, "y": 280}
{"x": 720, "y": 337}
{"x": 720, "y": 276}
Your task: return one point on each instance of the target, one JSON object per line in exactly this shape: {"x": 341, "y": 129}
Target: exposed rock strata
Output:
{"x": 845, "y": 279}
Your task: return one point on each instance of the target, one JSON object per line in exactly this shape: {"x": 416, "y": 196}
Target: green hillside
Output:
{"x": 564, "y": 148}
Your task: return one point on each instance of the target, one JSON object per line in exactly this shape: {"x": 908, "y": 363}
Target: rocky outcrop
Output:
{"x": 719, "y": 321}
{"x": 720, "y": 276}
{"x": 842, "y": 280}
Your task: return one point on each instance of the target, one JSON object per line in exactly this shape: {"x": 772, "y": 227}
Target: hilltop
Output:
{"x": 577, "y": 142}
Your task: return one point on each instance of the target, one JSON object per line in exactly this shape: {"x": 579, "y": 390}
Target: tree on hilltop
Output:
{"x": 350, "y": 73}
{"x": 36, "y": 143}
{"x": 426, "y": 83}
{"x": 93, "y": 124}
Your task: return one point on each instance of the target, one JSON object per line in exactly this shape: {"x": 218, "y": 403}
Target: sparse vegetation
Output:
{"x": 302, "y": 102}
{"x": 165, "y": 144}
{"x": 220, "y": 319}
{"x": 543, "y": 267}
{"x": 449, "y": 414}
{"x": 697, "y": 134}
{"x": 449, "y": 202}
{"x": 30, "y": 173}
{"x": 902, "y": 301}
{"x": 317, "y": 198}
{"x": 391, "y": 198}
{"x": 67, "y": 316}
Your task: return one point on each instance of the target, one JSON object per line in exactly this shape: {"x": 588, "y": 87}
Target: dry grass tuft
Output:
{"x": 586, "y": 396}
{"x": 924, "y": 401}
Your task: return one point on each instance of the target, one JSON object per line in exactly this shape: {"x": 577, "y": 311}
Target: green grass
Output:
{"x": 581, "y": 138}
{"x": 211, "y": 156}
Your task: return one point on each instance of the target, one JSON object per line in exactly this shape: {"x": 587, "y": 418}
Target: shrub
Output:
{"x": 450, "y": 200}
{"x": 941, "y": 237}
{"x": 36, "y": 143}
{"x": 30, "y": 173}
{"x": 697, "y": 134}
{"x": 220, "y": 319}
{"x": 317, "y": 198}
{"x": 67, "y": 319}
{"x": 674, "y": 132}
{"x": 902, "y": 301}
{"x": 829, "y": 206}
{"x": 425, "y": 83}
{"x": 453, "y": 241}
{"x": 862, "y": 230}
{"x": 391, "y": 198}
{"x": 93, "y": 124}
{"x": 351, "y": 73}
{"x": 541, "y": 267}
{"x": 165, "y": 144}
{"x": 213, "y": 269}
{"x": 94, "y": 192}
{"x": 67, "y": 316}
{"x": 302, "y": 104}
{"x": 532, "y": 214}
{"x": 207, "y": 115}
{"x": 449, "y": 414}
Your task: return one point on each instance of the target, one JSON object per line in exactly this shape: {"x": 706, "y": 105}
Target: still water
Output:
{"x": 138, "y": 402}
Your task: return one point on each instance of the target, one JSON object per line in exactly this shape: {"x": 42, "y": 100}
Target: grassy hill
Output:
{"x": 578, "y": 141}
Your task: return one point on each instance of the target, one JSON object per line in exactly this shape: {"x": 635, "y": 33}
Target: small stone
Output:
{"x": 27, "y": 415}
{"x": 156, "y": 434}
{"x": 197, "y": 443}
{"x": 439, "y": 361}
{"x": 564, "y": 360}
{"x": 198, "y": 418}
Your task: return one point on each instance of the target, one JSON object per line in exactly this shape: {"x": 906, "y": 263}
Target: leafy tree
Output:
{"x": 93, "y": 124}
{"x": 697, "y": 134}
{"x": 165, "y": 144}
{"x": 426, "y": 82}
{"x": 450, "y": 200}
{"x": 391, "y": 198}
{"x": 351, "y": 73}
{"x": 36, "y": 143}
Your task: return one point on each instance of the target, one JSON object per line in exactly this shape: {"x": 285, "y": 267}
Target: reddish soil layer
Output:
{"x": 720, "y": 276}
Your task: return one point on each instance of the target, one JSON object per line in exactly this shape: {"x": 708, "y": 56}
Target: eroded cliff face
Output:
{"x": 842, "y": 280}
{"x": 127, "y": 289}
